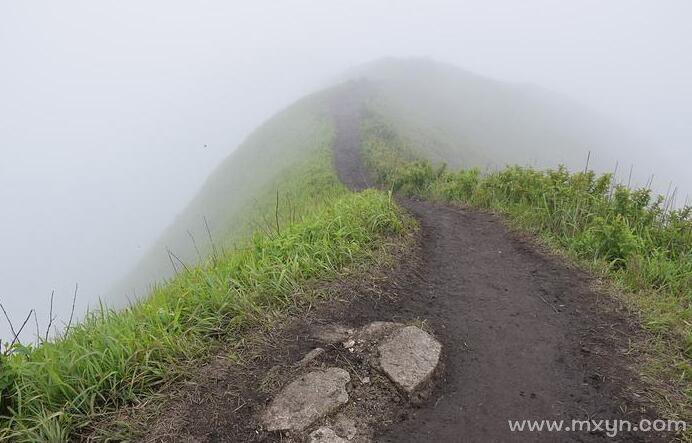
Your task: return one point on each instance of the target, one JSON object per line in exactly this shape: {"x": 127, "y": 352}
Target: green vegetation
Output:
{"x": 114, "y": 358}
{"x": 635, "y": 239}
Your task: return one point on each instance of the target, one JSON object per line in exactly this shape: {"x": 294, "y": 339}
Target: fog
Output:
{"x": 113, "y": 113}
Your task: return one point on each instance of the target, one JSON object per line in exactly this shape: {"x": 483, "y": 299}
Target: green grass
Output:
{"x": 628, "y": 236}
{"x": 286, "y": 199}
{"x": 114, "y": 358}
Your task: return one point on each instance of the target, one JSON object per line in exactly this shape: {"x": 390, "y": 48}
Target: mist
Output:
{"x": 112, "y": 114}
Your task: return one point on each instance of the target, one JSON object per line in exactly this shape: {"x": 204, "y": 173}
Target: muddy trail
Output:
{"x": 524, "y": 337}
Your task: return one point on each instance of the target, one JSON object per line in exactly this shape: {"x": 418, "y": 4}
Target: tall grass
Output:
{"x": 634, "y": 238}
{"x": 113, "y": 358}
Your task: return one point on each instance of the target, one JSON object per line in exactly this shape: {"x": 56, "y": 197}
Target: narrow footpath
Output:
{"x": 525, "y": 337}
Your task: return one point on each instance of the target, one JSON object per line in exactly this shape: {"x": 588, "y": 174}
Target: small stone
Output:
{"x": 377, "y": 330}
{"x": 366, "y": 380}
{"x": 307, "y": 399}
{"x": 325, "y": 435}
{"x": 409, "y": 357}
{"x": 345, "y": 427}
{"x": 310, "y": 356}
{"x": 331, "y": 334}
{"x": 349, "y": 344}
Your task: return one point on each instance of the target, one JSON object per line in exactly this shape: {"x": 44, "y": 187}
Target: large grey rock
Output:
{"x": 307, "y": 399}
{"x": 409, "y": 357}
{"x": 325, "y": 435}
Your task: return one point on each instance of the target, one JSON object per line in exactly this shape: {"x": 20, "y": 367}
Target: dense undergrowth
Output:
{"x": 636, "y": 239}
{"x": 113, "y": 358}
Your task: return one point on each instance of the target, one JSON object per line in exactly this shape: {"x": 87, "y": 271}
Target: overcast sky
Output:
{"x": 106, "y": 107}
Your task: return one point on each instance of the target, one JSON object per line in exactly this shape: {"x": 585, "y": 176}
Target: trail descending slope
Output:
{"x": 347, "y": 111}
{"x": 524, "y": 335}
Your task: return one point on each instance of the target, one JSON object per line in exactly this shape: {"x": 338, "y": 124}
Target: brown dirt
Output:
{"x": 524, "y": 336}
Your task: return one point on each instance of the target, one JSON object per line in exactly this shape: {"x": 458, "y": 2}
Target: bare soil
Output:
{"x": 524, "y": 334}
{"x": 525, "y": 337}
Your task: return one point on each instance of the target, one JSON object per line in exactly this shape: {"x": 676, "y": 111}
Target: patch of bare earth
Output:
{"x": 227, "y": 399}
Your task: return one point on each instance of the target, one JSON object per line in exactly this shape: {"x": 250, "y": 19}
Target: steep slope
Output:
{"x": 283, "y": 167}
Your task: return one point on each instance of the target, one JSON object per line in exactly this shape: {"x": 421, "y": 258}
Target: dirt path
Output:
{"x": 347, "y": 113}
{"x": 525, "y": 337}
